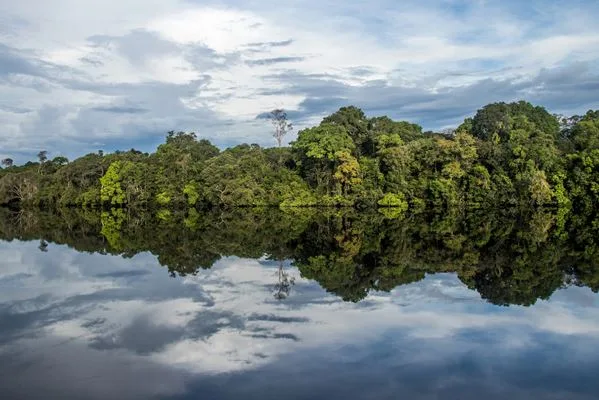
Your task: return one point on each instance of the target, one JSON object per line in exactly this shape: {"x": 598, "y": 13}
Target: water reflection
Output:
{"x": 509, "y": 258}
{"x": 76, "y": 322}
{"x": 284, "y": 283}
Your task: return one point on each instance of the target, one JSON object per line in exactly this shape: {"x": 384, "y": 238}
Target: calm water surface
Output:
{"x": 80, "y": 325}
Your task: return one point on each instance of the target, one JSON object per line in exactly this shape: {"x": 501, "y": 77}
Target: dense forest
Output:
{"x": 506, "y": 155}
{"x": 509, "y": 201}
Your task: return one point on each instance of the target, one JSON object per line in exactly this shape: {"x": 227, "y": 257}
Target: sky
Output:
{"x": 77, "y": 76}
{"x": 95, "y": 326}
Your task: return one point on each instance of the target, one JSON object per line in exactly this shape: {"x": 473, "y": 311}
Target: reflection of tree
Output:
{"x": 509, "y": 257}
{"x": 284, "y": 283}
{"x": 43, "y": 246}
{"x": 111, "y": 227}
{"x": 24, "y": 219}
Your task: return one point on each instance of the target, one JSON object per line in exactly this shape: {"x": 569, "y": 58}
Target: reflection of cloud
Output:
{"x": 54, "y": 368}
{"x": 65, "y": 307}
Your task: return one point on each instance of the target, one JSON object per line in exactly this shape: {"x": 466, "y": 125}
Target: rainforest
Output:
{"x": 514, "y": 155}
{"x": 508, "y": 201}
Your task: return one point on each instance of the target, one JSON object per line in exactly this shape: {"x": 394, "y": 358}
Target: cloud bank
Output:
{"x": 83, "y": 79}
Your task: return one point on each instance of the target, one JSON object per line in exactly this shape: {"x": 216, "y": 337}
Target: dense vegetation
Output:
{"x": 507, "y": 257}
{"x": 509, "y": 201}
{"x": 507, "y": 155}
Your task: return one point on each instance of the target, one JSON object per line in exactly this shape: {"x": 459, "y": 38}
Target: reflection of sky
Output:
{"x": 75, "y": 325}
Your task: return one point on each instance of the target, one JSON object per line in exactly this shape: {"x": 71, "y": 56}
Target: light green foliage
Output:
{"x": 396, "y": 200}
{"x": 192, "y": 219}
{"x": 124, "y": 183}
{"x": 335, "y": 200}
{"x": 325, "y": 158}
{"x": 111, "y": 190}
{"x": 347, "y": 173}
{"x": 191, "y": 193}
{"x": 163, "y": 198}
{"x": 386, "y": 141}
{"x": 323, "y": 141}
{"x": 112, "y": 223}
{"x": 393, "y": 205}
{"x": 392, "y": 212}
{"x": 164, "y": 215}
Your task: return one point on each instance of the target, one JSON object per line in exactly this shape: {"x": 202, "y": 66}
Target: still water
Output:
{"x": 81, "y": 320}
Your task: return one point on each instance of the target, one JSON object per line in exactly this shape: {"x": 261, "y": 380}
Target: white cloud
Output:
{"x": 103, "y": 311}
{"x": 437, "y": 48}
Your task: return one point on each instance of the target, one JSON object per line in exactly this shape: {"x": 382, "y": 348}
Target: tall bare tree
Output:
{"x": 280, "y": 123}
{"x": 42, "y": 157}
{"x": 24, "y": 189}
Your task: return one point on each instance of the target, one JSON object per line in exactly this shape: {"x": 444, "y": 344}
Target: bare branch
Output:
{"x": 281, "y": 125}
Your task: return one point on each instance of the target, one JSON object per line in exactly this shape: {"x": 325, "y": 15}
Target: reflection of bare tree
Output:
{"x": 283, "y": 286}
{"x": 43, "y": 246}
{"x": 24, "y": 219}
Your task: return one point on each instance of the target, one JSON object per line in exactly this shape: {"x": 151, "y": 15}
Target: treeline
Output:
{"x": 509, "y": 258}
{"x": 507, "y": 155}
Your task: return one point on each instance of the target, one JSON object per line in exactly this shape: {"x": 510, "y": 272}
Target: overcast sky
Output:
{"x": 82, "y": 75}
